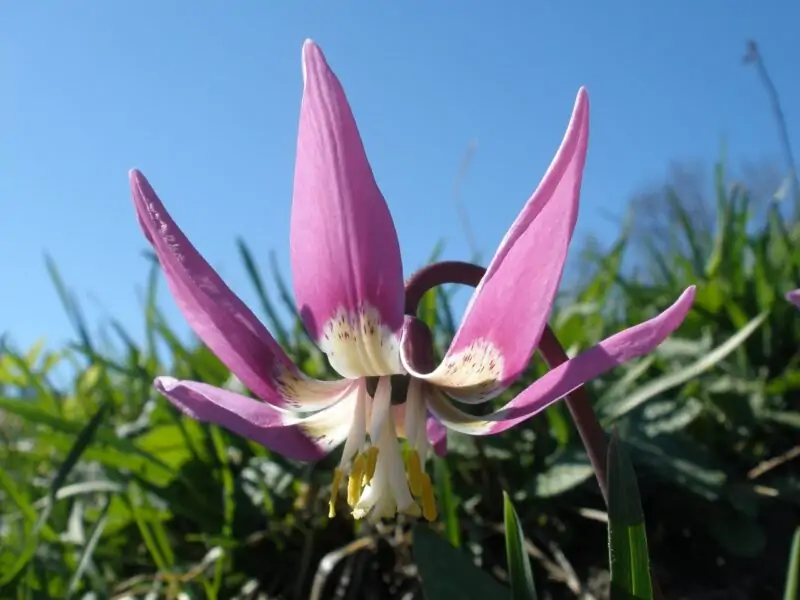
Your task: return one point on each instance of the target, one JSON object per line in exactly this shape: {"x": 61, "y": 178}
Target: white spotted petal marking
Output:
{"x": 471, "y": 375}
{"x": 359, "y": 345}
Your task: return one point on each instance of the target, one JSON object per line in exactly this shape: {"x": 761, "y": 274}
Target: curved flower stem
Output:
{"x": 583, "y": 415}
{"x": 589, "y": 428}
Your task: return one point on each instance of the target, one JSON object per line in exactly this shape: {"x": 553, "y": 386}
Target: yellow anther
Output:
{"x": 352, "y": 492}
{"x": 337, "y": 481}
{"x": 372, "y": 462}
{"x": 414, "y": 473}
{"x": 428, "y": 499}
{"x": 354, "y": 484}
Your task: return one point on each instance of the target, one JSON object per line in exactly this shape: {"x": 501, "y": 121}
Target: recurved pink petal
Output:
{"x": 309, "y": 438}
{"x": 559, "y": 382}
{"x": 794, "y": 297}
{"x": 220, "y": 318}
{"x": 437, "y": 435}
{"x": 509, "y": 309}
{"x": 346, "y": 268}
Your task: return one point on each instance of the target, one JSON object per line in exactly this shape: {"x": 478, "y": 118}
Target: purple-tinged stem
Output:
{"x": 583, "y": 415}
{"x": 589, "y": 428}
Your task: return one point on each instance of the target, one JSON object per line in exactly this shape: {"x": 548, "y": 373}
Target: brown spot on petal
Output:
{"x": 474, "y": 372}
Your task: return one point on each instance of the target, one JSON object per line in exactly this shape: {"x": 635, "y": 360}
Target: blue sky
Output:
{"x": 204, "y": 97}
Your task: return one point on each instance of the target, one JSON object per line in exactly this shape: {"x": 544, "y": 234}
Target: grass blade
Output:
{"x": 71, "y": 305}
{"x": 276, "y": 325}
{"x": 676, "y": 378}
{"x": 792, "y": 589}
{"x": 88, "y": 549}
{"x": 438, "y": 561}
{"x": 627, "y": 540}
{"x": 519, "y": 565}
{"x": 448, "y": 503}
{"x": 27, "y": 510}
{"x": 37, "y": 416}
{"x": 132, "y": 500}
{"x": 81, "y": 444}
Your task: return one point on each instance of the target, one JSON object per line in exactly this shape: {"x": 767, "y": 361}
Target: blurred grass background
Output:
{"x": 105, "y": 488}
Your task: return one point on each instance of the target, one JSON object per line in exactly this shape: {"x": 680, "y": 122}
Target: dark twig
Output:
{"x": 332, "y": 559}
{"x": 460, "y": 210}
{"x": 753, "y": 56}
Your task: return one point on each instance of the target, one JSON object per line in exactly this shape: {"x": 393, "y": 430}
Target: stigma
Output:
{"x": 381, "y": 480}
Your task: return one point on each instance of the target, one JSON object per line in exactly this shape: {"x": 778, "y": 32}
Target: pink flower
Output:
{"x": 794, "y": 297}
{"x": 348, "y": 282}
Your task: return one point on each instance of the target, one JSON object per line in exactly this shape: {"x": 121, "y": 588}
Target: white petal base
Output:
{"x": 359, "y": 345}
{"x": 471, "y": 375}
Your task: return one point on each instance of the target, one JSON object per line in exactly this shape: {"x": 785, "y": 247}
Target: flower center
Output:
{"x": 380, "y": 481}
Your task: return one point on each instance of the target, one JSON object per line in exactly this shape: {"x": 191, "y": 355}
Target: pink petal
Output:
{"x": 307, "y": 439}
{"x": 554, "y": 385}
{"x": 220, "y": 318}
{"x": 437, "y": 435}
{"x": 794, "y": 297}
{"x": 346, "y": 268}
{"x": 510, "y": 307}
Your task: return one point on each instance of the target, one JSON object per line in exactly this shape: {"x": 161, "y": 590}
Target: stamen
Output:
{"x": 414, "y": 473}
{"x": 382, "y": 479}
{"x": 372, "y": 462}
{"x": 354, "y": 484}
{"x": 413, "y": 510}
{"x": 428, "y": 499}
{"x": 337, "y": 481}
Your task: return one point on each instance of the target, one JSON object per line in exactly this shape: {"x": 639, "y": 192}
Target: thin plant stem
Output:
{"x": 753, "y": 56}
{"x": 578, "y": 403}
{"x": 580, "y": 407}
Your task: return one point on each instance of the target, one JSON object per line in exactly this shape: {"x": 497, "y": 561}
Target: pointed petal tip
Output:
{"x": 136, "y": 178}
{"x": 141, "y": 191}
{"x": 339, "y": 217}
{"x": 143, "y": 194}
{"x": 543, "y": 229}
{"x": 165, "y": 383}
{"x": 681, "y": 307}
{"x": 139, "y": 183}
{"x": 687, "y": 297}
{"x": 557, "y": 383}
{"x": 580, "y": 111}
{"x": 166, "y": 386}
{"x": 312, "y": 58}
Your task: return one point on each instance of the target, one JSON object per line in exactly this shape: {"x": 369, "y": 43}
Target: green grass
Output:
{"x": 105, "y": 487}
